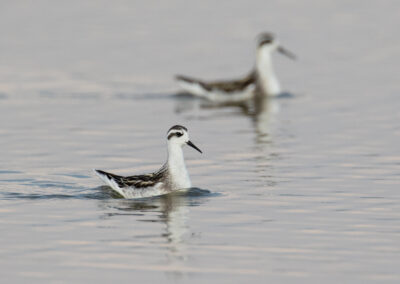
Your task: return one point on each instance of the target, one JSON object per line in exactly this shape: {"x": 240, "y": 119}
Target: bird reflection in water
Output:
{"x": 264, "y": 114}
{"x": 260, "y": 109}
{"x": 172, "y": 210}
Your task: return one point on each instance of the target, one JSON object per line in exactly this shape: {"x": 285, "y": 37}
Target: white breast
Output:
{"x": 179, "y": 177}
{"x": 266, "y": 74}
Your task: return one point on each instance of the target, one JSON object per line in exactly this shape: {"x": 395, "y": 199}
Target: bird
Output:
{"x": 261, "y": 80}
{"x": 172, "y": 176}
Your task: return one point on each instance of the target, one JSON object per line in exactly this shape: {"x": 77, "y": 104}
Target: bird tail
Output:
{"x": 109, "y": 180}
{"x": 192, "y": 86}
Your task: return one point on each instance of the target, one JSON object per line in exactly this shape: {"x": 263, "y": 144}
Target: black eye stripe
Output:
{"x": 266, "y": 41}
{"x": 177, "y": 134}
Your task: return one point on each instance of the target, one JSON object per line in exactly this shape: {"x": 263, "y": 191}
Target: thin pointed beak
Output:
{"x": 286, "y": 52}
{"x": 193, "y": 146}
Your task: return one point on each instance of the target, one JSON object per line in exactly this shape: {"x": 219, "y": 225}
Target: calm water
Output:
{"x": 304, "y": 191}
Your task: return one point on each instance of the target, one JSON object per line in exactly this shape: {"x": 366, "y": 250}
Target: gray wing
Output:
{"x": 226, "y": 86}
{"x": 137, "y": 181}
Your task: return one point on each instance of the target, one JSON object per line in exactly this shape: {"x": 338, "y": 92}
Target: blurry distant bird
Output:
{"x": 170, "y": 177}
{"x": 261, "y": 79}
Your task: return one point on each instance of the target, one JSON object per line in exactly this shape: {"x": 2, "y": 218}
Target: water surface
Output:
{"x": 303, "y": 190}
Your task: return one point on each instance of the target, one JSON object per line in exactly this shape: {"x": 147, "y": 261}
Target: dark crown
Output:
{"x": 177, "y": 127}
{"x": 265, "y": 38}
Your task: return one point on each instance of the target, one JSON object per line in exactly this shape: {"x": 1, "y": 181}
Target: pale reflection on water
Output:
{"x": 172, "y": 211}
{"x": 261, "y": 110}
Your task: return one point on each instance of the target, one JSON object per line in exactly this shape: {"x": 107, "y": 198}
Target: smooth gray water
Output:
{"x": 305, "y": 191}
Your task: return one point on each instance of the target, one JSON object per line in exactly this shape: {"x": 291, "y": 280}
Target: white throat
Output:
{"x": 266, "y": 75}
{"x": 179, "y": 176}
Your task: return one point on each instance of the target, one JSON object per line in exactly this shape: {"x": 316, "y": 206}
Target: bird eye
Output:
{"x": 179, "y": 134}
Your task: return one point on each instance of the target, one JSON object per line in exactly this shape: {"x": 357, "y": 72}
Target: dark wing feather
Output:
{"x": 227, "y": 86}
{"x": 138, "y": 181}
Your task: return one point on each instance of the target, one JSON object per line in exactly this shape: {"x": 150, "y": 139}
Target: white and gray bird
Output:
{"x": 172, "y": 176}
{"x": 262, "y": 79}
